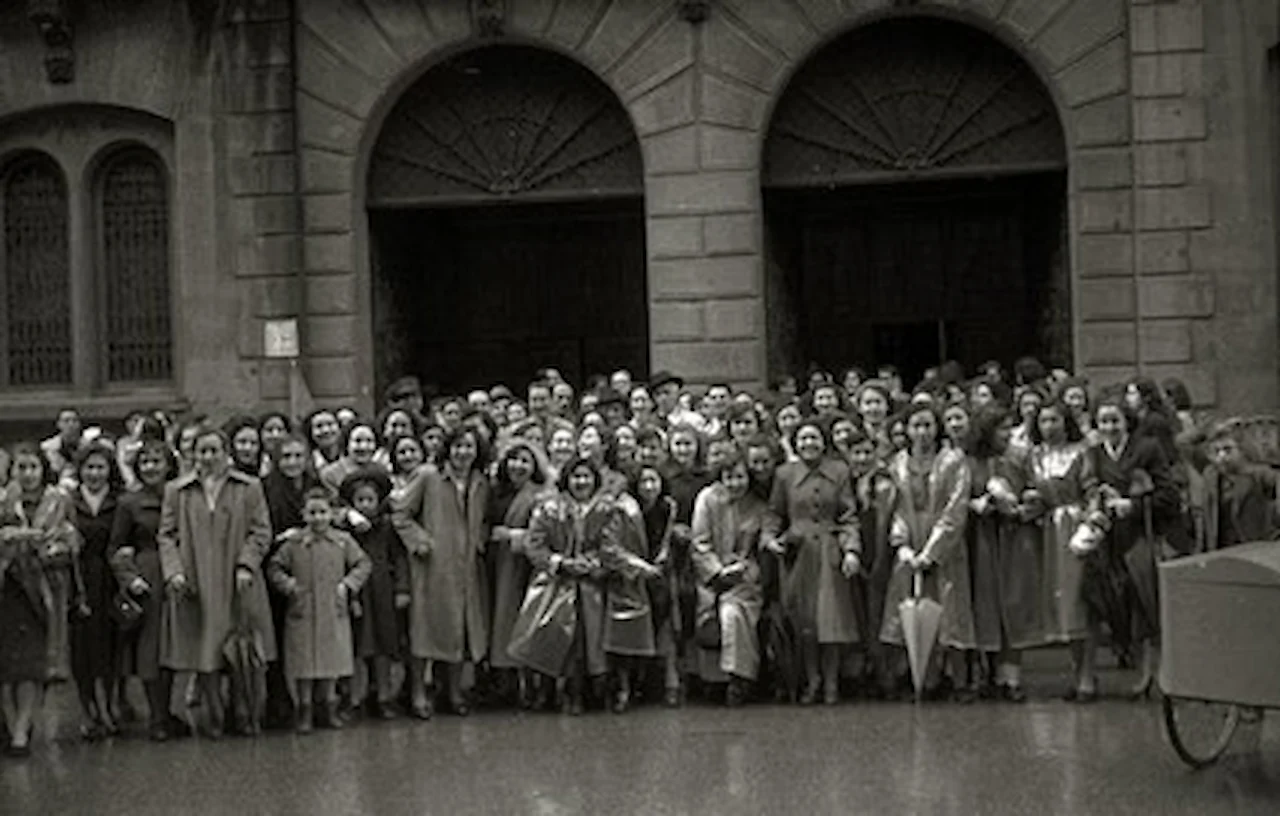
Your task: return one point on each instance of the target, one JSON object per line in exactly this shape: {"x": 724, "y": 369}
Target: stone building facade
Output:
{"x": 253, "y": 160}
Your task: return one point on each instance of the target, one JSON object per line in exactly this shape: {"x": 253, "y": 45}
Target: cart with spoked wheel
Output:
{"x": 1220, "y": 637}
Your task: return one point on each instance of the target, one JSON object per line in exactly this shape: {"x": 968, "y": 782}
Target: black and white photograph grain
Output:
{"x": 639, "y": 407}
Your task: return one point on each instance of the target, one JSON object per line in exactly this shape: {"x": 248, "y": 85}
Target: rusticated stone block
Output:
{"x": 672, "y": 151}
{"x": 703, "y": 193}
{"x": 623, "y": 23}
{"x": 328, "y": 252}
{"x": 326, "y": 172}
{"x": 730, "y": 234}
{"x": 275, "y": 215}
{"x": 1105, "y": 122}
{"x": 729, "y": 148}
{"x": 1101, "y": 74}
{"x": 1166, "y": 341}
{"x": 328, "y": 212}
{"x": 675, "y": 237}
{"x": 332, "y": 377}
{"x": 256, "y": 90}
{"x": 329, "y": 335}
{"x": 778, "y": 24}
{"x": 266, "y": 255}
{"x": 1175, "y": 296}
{"x": 273, "y": 379}
{"x": 1180, "y": 26}
{"x": 1108, "y": 343}
{"x": 1101, "y": 256}
{"x": 1161, "y": 165}
{"x": 1082, "y": 27}
{"x": 274, "y": 296}
{"x": 1103, "y": 169}
{"x": 676, "y": 320}
{"x": 727, "y": 50}
{"x": 1166, "y": 208}
{"x": 1106, "y": 211}
{"x": 326, "y": 76}
{"x": 331, "y": 294}
{"x": 728, "y": 277}
{"x": 261, "y": 175}
{"x": 323, "y": 125}
{"x": 734, "y": 319}
{"x": 1162, "y": 120}
{"x": 1162, "y": 253}
{"x": 737, "y": 360}
{"x": 1106, "y": 300}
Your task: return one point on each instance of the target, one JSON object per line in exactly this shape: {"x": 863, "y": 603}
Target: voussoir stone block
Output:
{"x": 323, "y": 125}
{"x": 728, "y": 103}
{"x": 345, "y": 27}
{"x": 780, "y": 24}
{"x": 729, "y": 51}
{"x": 667, "y": 51}
{"x": 1104, "y": 122}
{"x": 1100, "y": 74}
{"x": 325, "y": 75}
{"x": 668, "y": 105}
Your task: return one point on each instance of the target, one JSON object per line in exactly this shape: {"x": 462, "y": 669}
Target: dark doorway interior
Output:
{"x": 472, "y": 296}
{"x": 914, "y": 273}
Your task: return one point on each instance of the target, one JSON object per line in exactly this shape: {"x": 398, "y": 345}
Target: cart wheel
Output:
{"x": 1199, "y": 731}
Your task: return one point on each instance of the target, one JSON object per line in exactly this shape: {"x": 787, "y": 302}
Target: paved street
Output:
{"x": 1045, "y": 758}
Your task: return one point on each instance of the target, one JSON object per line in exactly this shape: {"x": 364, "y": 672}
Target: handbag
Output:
{"x": 707, "y": 635}
{"x": 125, "y": 611}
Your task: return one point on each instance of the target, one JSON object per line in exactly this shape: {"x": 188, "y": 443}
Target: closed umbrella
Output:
{"x": 246, "y": 658}
{"x": 921, "y": 617}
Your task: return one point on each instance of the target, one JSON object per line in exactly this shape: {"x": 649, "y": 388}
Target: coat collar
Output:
{"x": 193, "y": 478}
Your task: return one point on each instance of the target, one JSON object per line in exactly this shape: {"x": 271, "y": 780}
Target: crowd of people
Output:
{"x": 632, "y": 542}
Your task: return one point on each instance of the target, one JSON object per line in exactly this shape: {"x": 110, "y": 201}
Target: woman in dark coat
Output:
{"x": 685, "y": 476}
{"x": 94, "y": 635}
{"x": 135, "y": 558}
{"x": 1132, "y": 502}
{"x": 285, "y": 486}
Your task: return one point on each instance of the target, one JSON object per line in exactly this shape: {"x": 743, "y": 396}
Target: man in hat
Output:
{"x": 665, "y": 389}
{"x": 613, "y": 407}
{"x": 405, "y": 394}
{"x": 499, "y": 398}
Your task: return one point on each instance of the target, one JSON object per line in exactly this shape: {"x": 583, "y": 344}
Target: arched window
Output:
{"x": 35, "y": 274}
{"x": 134, "y": 235}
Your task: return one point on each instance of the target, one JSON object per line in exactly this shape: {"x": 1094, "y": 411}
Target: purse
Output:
{"x": 125, "y": 611}
{"x": 707, "y": 635}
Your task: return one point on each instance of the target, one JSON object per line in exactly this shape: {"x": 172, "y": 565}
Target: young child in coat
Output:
{"x": 1241, "y": 504}
{"x": 378, "y": 633}
{"x": 874, "y": 491}
{"x": 320, "y": 571}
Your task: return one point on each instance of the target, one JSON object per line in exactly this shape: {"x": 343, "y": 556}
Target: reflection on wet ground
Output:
{"x": 1045, "y": 757}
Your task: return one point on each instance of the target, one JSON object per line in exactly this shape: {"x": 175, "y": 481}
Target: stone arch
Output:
{"x": 354, "y": 62}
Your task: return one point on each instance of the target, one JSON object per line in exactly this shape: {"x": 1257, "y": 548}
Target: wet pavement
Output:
{"x": 1045, "y": 757}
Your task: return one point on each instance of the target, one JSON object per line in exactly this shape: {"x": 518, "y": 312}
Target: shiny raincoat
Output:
{"x": 930, "y": 518}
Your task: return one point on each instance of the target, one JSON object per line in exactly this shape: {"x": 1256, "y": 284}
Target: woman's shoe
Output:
{"x": 303, "y": 724}
{"x": 1141, "y": 691}
{"x": 92, "y": 732}
{"x": 331, "y": 717}
{"x": 18, "y": 751}
{"x": 810, "y": 695}
{"x": 386, "y": 710}
{"x": 671, "y": 698}
{"x": 736, "y": 694}
{"x": 621, "y": 702}
{"x": 158, "y": 733}
{"x": 964, "y": 695}
{"x": 177, "y": 727}
{"x": 1013, "y": 693}
{"x": 831, "y": 694}
{"x": 422, "y": 711}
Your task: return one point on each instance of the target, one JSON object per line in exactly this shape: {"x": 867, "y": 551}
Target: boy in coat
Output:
{"x": 320, "y": 571}
{"x": 1241, "y": 497}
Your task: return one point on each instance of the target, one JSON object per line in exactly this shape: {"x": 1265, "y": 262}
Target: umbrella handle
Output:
{"x": 917, "y": 583}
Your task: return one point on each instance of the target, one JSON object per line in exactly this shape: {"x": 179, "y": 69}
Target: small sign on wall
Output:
{"x": 280, "y": 338}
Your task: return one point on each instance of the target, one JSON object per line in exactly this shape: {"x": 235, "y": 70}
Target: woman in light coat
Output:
{"x": 440, "y": 516}
{"x": 214, "y": 532}
{"x": 727, "y": 519}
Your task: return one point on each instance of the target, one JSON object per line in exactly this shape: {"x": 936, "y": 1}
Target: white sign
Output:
{"x": 280, "y": 338}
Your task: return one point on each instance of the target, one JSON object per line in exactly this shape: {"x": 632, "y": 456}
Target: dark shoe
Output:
{"x": 302, "y": 720}
{"x": 211, "y": 732}
{"x": 672, "y": 698}
{"x": 831, "y": 695}
{"x": 386, "y": 710}
{"x": 422, "y": 711}
{"x": 1141, "y": 691}
{"x": 331, "y": 717}
{"x": 1086, "y": 697}
{"x": 810, "y": 695}
{"x": 92, "y": 732}
{"x": 1013, "y": 694}
{"x": 177, "y": 728}
{"x": 736, "y": 694}
{"x": 158, "y": 733}
{"x": 18, "y": 751}
{"x": 461, "y": 707}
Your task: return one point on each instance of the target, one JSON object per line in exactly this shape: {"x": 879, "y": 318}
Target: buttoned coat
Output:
{"x": 444, "y": 530}
{"x": 813, "y": 511}
{"x": 1250, "y": 502}
{"x": 317, "y": 628}
{"x": 205, "y": 547}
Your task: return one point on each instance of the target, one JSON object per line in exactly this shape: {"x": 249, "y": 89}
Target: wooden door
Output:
{"x": 479, "y": 296}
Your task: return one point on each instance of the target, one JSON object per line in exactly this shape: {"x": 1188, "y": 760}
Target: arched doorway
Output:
{"x": 915, "y": 205}
{"x": 505, "y": 198}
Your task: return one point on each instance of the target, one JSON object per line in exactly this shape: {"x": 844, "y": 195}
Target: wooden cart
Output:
{"x": 1220, "y": 625}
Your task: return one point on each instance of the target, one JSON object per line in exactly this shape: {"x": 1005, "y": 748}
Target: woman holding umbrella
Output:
{"x": 813, "y": 524}
{"x": 1132, "y": 501}
{"x": 928, "y": 536}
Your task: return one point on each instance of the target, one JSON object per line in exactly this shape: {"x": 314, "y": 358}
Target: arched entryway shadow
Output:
{"x": 915, "y": 204}
{"x": 505, "y": 198}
